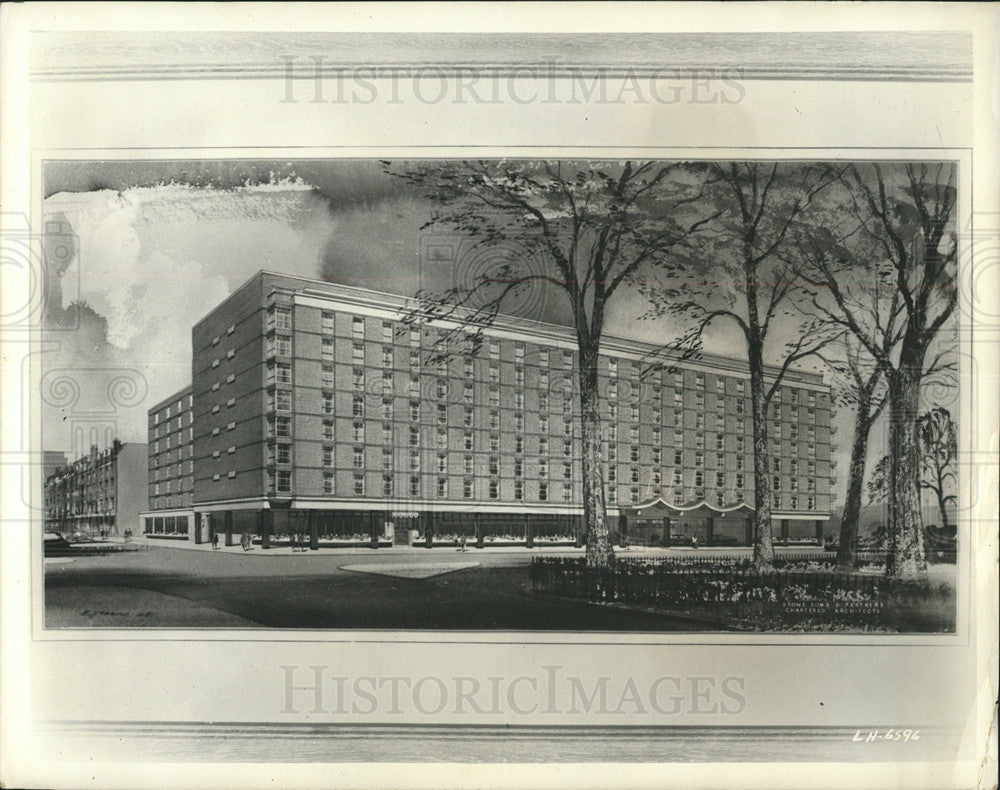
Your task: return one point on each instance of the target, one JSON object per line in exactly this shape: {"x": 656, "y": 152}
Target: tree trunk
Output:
{"x": 600, "y": 553}
{"x": 763, "y": 548}
{"x": 942, "y": 504}
{"x": 905, "y": 558}
{"x": 847, "y": 559}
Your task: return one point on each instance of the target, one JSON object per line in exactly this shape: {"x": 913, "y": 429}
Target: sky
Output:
{"x": 155, "y": 245}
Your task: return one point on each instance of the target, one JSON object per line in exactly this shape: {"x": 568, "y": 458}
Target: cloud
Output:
{"x": 151, "y": 262}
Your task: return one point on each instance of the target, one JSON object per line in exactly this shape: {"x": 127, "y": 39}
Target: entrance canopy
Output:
{"x": 660, "y": 508}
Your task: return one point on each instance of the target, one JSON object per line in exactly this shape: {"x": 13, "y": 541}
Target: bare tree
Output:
{"x": 585, "y": 230}
{"x": 862, "y": 388}
{"x": 739, "y": 273}
{"x": 906, "y": 212}
{"x": 939, "y": 445}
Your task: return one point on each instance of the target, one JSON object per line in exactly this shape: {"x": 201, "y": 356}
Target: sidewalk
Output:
{"x": 471, "y": 550}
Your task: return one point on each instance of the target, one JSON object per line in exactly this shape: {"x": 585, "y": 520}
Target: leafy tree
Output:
{"x": 584, "y": 230}
{"x": 740, "y": 272}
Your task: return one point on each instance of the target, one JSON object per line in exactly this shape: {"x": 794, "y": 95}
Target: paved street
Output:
{"x": 176, "y": 587}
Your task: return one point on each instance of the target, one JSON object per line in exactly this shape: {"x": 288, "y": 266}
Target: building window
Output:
{"x": 633, "y": 453}
{"x": 568, "y": 360}
{"x": 543, "y": 492}
{"x": 699, "y": 478}
{"x": 518, "y": 489}
{"x": 612, "y": 495}
{"x": 775, "y": 483}
{"x": 494, "y": 350}
{"x": 282, "y": 426}
{"x": 387, "y": 332}
{"x": 414, "y": 486}
{"x": 386, "y": 357}
{"x": 740, "y": 444}
{"x": 468, "y": 440}
{"x": 777, "y": 501}
{"x": 810, "y": 503}
{"x": 358, "y": 431}
{"x": 414, "y": 437}
{"x": 358, "y": 406}
{"x": 358, "y": 379}
{"x": 699, "y": 459}
{"x": 328, "y": 456}
{"x": 518, "y": 443}
{"x": 359, "y": 485}
{"x": 494, "y": 490}
{"x": 284, "y": 481}
{"x": 358, "y": 326}
{"x": 739, "y": 481}
{"x": 327, "y": 483}
{"x": 494, "y": 374}
{"x": 328, "y": 407}
{"x": 467, "y": 488}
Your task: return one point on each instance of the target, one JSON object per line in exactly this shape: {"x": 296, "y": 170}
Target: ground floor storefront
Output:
{"x": 315, "y": 527}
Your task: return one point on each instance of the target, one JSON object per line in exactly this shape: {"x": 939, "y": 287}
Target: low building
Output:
{"x": 314, "y": 410}
{"x": 100, "y": 493}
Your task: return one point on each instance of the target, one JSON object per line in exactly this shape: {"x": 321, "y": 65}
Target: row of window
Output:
{"x": 172, "y": 409}
{"x": 165, "y": 428}
{"x": 281, "y": 318}
{"x": 281, "y": 483}
{"x": 280, "y": 427}
{"x": 171, "y": 441}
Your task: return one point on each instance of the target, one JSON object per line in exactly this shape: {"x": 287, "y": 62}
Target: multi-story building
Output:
{"x": 171, "y": 466}
{"x": 101, "y": 492}
{"x": 317, "y": 409}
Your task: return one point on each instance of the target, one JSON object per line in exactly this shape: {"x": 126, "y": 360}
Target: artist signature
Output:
{"x": 92, "y": 613}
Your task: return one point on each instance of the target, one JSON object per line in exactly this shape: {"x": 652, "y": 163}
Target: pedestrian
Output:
{"x": 694, "y": 542}
{"x": 215, "y": 541}
{"x": 461, "y": 546}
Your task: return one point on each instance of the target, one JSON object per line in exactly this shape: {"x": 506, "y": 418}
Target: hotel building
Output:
{"x": 316, "y": 410}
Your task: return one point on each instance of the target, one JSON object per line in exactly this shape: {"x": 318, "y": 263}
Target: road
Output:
{"x": 166, "y": 587}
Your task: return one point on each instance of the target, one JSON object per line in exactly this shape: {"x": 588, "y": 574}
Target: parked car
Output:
{"x": 55, "y": 543}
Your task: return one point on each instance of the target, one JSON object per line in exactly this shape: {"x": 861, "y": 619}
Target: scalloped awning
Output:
{"x": 660, "y": 508}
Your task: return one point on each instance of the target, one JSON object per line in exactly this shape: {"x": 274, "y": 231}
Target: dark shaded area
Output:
{"x": 269, "y": 592}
